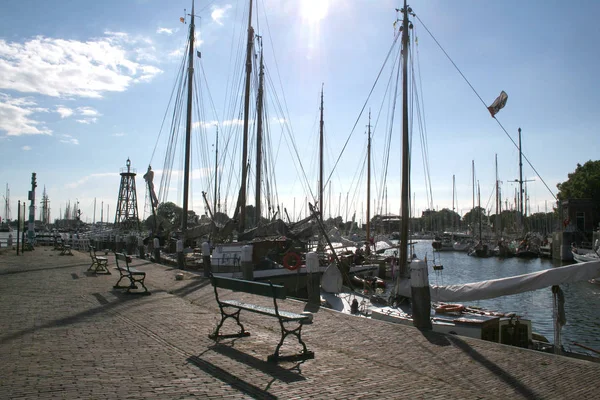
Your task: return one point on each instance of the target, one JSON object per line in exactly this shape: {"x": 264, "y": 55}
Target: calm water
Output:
{"x": 582, "y": 299}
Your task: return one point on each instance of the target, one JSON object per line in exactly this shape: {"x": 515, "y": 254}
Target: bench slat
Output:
{"x": 252, "y": 287}
{"x": 285, "y": 315}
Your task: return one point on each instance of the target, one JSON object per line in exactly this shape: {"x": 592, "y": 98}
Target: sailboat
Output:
{"x": 275, "y": 248}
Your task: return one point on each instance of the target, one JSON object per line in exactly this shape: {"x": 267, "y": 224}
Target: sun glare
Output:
{"x": 313, "y": 11}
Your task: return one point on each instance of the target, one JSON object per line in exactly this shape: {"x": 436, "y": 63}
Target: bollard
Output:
{"x": 247, "y": 267}
{"x": 141, "y": 249}
{"x": 180, "y": 255}
{"x": 9, "y": 242}
{"x": 313, "y": 279}
{"x": 382, "y": 270}
{"x": 206, "y": 259}
{"x": 420, "y": 295}
{"x": 156, "y": 243}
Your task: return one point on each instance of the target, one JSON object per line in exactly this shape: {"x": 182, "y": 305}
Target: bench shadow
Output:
{"x": 73, "y": 319}
{"x": 269, "y": 368}
{"x": 493, "y": 368}
{"x": 230, "y": 379}
{"x": 24, "y": 271}
{"x": 194, "y": 285}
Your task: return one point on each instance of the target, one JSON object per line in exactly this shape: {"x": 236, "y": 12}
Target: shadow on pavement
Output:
{"x": 72, "y": 319}
{"x": 230, "y": 379}
{"x": 269, "y": 368}
{"x": 25, "y": 271}
{"x": 493, "y": 368}
{"x": 194, "y": 285}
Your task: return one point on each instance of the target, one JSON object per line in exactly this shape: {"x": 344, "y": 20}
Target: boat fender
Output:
{"x": 293, "y": 263}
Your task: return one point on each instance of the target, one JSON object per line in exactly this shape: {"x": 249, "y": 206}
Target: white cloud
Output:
{"x": 118, "y": 134}
{"x": 88, "y": 111}
{"x": 165, "y": 30}
{"x": 64, "y": 112}
{"x": 218, "y": 13}
{"x": 92, "y": 176}
{"x": 61, "y": 68}
{"x": 176, "y": 53}
{"x": 88, "y": 121}
{"x": 15, "y": 117}
{"x": 26, "y": 148}
{"x": 69, "y": 139}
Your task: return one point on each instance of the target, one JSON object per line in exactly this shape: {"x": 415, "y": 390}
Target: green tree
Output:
{"x": 584, "y": 183}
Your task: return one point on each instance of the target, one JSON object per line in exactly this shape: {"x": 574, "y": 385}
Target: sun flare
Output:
{"x": 313, "y": 11}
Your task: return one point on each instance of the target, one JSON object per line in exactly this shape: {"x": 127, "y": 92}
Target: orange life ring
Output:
{"x": 295, "y": 264}
{"x": 447, "y": 308}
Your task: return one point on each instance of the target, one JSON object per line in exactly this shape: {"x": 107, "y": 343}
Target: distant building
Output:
{"x": 580, "y": 215}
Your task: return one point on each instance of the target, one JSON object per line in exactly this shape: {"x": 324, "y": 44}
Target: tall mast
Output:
{"x": 403, "y": 268}
{"x": 520, "y": 182}
{"x": 188, "y": 126}
{"x": 242, "y": 200}
{"x": 259, "y": 131}
{"x": 479, "y": 208}
{"x": 497, "y": 200}
{"x": 453, "y": 195}
{"x": 216, "y": 171}
{"x": 321, "y": 158}
{"x": 369, "y": 185}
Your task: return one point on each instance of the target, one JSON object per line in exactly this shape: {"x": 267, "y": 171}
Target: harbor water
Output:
{"x": 582, "y": 299}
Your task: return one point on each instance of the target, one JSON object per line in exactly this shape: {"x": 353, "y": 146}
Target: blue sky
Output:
{"x": 85, "y": 85}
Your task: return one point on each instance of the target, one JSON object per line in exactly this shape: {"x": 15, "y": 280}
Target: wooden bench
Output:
{"x": 65, "y": 250}
{"x": 99, "y": 264}
{"x": 261, "y": 289}
{"x": 132, "y": 274}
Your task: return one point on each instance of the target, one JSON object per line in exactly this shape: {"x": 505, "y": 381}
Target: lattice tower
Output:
{"x": 126, "y": 216}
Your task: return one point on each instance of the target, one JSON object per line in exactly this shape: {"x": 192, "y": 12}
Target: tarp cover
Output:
{"x": 511, "y": 285}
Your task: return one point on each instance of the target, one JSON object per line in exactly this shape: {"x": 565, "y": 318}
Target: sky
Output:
{"x": 84, "y": 86}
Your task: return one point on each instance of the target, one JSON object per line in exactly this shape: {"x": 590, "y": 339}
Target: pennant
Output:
{"x": 498, "y": 104}
{"x": 181, "y": 19}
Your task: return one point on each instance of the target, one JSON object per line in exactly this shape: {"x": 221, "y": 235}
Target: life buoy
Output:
{"x": 292, "y": 264}
{"x": 448, "y": 308}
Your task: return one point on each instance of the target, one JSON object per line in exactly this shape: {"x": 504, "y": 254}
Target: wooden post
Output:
{"x": 180, "y": 255}
{"x": 247, "y": 267}
{"x": 313, "y": 280}
{"x": 141, "y": 250}
{"x": 420, "y": 295}
{"x": 206, "y": 259}
{"x": 156, "y": 244}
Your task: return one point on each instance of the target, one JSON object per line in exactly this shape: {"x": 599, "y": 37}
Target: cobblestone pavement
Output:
{"x": 65, "y": 333}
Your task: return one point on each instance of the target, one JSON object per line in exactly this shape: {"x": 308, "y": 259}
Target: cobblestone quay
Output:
{"x": 67, "y": 334}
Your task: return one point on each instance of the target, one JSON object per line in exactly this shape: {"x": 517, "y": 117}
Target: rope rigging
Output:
{"x": 486, "y": 107}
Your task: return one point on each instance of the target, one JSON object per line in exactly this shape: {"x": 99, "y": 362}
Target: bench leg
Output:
{"x": 224, "y": 315}
{"x": 304, "y": 355}
{"x": 133, "y": 286}
{"x": 117, "y": 286}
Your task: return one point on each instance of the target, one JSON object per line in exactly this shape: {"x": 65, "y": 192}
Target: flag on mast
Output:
{"x": 498, "y": 104}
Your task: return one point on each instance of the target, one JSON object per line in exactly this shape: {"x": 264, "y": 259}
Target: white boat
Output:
{"x": 584, "y": 255}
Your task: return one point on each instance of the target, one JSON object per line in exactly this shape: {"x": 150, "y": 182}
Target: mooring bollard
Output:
{"x": 142, "y": 252}
{"x": 206, "y": 259}
{"x": 420, "y": 295}
{"x": 313, "y": 279}
{"x": 247, "y": 267}
{"x": 382, "y": 270}
{"x": 180, "y": 255}
{"x": 156, "y": 244}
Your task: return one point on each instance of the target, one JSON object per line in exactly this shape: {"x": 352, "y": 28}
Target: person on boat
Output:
{"x": 359, "y": 257}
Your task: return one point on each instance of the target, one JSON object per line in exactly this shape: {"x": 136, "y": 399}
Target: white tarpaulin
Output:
{"x": 511, "y": 285}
